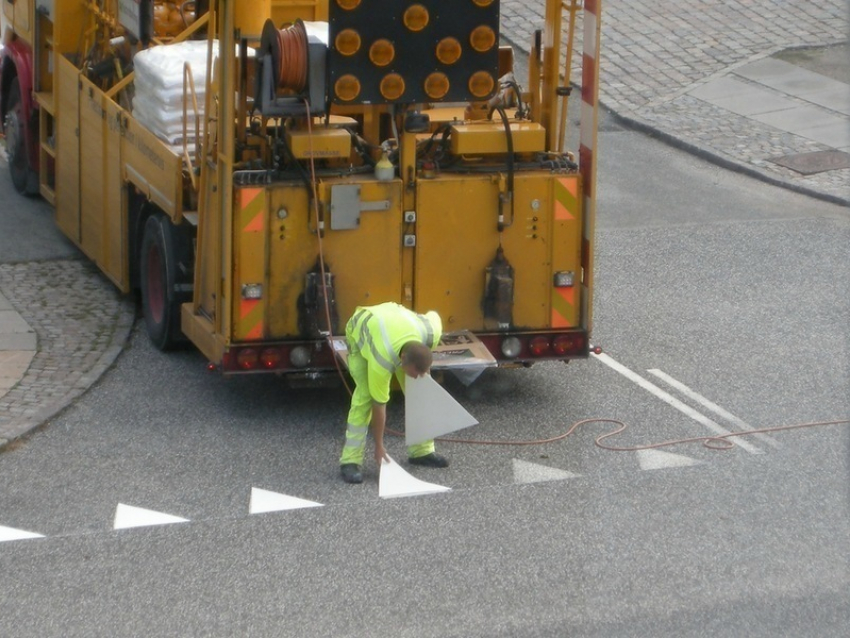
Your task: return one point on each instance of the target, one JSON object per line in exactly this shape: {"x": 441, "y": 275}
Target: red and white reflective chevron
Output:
{"x": 587, "y": 144}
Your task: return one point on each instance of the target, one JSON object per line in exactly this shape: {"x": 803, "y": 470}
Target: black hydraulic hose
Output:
{"x": 443, "y": 130}
{"x": 510, "y": 140}
{"x": 362, "y": 147}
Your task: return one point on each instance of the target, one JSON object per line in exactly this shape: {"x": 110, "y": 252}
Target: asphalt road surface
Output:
{"x": 721, "y": 303}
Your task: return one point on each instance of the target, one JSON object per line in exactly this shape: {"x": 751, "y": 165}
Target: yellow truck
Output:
{"x": 258, "y": 169}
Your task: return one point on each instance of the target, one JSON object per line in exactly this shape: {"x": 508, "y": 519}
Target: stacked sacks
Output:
{"x": 159, "y": 91}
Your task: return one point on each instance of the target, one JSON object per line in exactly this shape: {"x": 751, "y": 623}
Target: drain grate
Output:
{"x": 816, "y": 162}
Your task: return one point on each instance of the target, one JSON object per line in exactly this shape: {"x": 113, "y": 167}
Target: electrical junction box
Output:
{"x": 483, "y": 138}
{"x": 326, "y": 143}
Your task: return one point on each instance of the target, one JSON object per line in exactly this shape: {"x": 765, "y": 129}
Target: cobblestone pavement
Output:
{"x": 81, "y": 323}
{"x": 653, "y": 54}
{"x": 655, "y": 59}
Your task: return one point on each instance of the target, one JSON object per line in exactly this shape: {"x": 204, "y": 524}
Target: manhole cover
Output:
{"x": 816, "y": 162}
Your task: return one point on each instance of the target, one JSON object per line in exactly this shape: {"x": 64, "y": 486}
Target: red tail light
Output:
{"x": 563, "y": 344}
{"x": 539, "y": 346}
{"x": 270, "y": 358}
{"x": 247, "y": 359}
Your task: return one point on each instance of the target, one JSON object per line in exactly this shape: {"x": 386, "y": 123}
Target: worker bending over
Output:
{"x": 384, "y": 340}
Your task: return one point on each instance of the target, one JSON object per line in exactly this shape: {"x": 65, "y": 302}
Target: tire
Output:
{"x": 159, "y": 274}
{"x": 24, "y": 179}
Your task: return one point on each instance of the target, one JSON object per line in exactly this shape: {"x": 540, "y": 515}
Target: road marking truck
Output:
{"x": 258, "y": 169}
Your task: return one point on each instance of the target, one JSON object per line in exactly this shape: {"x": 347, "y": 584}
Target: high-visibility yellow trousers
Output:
{"x": 360, "y": 415}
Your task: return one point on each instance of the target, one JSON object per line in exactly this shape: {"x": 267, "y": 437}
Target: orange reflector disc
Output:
{"x": 416, "y": 17}
{"x": 482, "y": 38}
{"x": 382, "y": 52}
{"x": 347, "y": 87}
{"x": 481, "y": 84}
{"x": 347, "y": 42}
{"x": 448, "y": 50}
{"x": 392, "y": 86}
{"x": 348, "y": 5}
{"x": 437, "y": 85}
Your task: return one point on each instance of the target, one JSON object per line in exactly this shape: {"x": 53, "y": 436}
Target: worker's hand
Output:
{"x": 381, "y": 454}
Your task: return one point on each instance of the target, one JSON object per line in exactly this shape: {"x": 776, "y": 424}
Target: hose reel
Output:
{"x": 288, "y": 50}
{"x": 292, "y": 71}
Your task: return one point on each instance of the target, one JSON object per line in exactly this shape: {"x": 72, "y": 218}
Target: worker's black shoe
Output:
{"x": 429, "y": 460}
{"x": 351, "y": 473}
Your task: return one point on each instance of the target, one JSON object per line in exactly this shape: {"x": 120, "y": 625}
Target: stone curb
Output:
{"x": 119, "y": 332}
{"x": 46, "y": 412}
{"x": 724, "y": 161}
{"x": 633, "y": 122}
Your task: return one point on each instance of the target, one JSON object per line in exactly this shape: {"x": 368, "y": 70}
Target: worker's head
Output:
{"x": 415, "y": 359}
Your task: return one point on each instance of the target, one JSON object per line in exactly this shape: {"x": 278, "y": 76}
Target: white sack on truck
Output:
{"x": 160, "y": 94}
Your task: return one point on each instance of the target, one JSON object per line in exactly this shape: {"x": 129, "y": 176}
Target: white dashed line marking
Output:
{"x": 709, "y": 405}
{"x": 674, "y": 402}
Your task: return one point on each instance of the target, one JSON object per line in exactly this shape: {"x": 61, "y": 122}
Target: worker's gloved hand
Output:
{"x": 381, "y": 453}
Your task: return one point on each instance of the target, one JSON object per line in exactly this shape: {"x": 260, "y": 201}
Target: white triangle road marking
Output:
{"x": 658, "y": 460}
{"x": 395, "y": 482}
{"x": 527, "y": 472}
{"x": 127, "y": 516}
{"x": 430, "y": 411}
{"x": 267, "y": 501}
{"x": 12, "y": 534}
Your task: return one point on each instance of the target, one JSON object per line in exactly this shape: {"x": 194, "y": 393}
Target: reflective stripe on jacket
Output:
{"x": 378, "y": 333}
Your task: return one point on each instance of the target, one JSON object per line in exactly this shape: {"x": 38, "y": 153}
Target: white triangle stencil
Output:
{"x": 127, "y": 516}
{"x": 267, "y": 501}
{"x": 395, "y": 482}
{"x": 658, "y": 460}
{"x": 430, "y": 411}
{"x": 527, "y": 472}
{"x": 12, "y": 534}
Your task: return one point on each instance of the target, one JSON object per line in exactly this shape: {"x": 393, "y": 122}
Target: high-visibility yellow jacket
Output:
{"x": 377, "y": 333}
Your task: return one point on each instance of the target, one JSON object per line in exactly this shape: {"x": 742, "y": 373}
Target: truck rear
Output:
{"x": 260, "y": 169}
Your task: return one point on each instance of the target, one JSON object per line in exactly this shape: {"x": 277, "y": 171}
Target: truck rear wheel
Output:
{"x": 159, "y": 274}
{"x": 24, "y": 179}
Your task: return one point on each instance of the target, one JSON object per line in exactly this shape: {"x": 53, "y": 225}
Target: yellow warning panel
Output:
{"x": 566, "y": 254}
{"x": 251, "y": 222}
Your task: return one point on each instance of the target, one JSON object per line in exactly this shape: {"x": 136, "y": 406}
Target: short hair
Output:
{"x": 418, "y": 355}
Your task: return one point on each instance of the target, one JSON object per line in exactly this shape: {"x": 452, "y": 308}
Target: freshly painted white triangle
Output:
{"x": 396, "y": 482}
{"x": 12, "y": 534}
{"x": 266, "y": 501}
{"x": 430, "y": 411}
{"x": 658, "y": 460}
{"x": 128, "y": 516}
{"x": 527, "y": 472}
